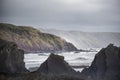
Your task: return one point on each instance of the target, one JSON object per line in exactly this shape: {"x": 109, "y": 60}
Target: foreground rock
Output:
{"x": 55, "y": 64}
{"x": 37, "y": 76}
{"x": 106, "y": 65}
{"x": 12, "y": 66}
{"x": 11, "y": 58}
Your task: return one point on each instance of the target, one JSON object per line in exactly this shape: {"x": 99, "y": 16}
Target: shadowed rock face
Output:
{"x": 11, "y": 58}
{"x": 55, "y": 64}
{"x": 106, "y": 65}
{"x": 12, "y": 66}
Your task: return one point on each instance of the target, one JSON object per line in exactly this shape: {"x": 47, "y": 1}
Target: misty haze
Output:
{"x": 59, "y": 40}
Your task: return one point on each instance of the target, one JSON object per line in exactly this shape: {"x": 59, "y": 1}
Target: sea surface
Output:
{"x": 77, "y": 60}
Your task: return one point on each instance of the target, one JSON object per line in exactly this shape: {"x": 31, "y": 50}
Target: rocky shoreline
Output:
{"x": 105, "y": 66}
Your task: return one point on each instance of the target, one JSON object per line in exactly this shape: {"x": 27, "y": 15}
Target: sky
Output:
{"x": 80, "y": 15}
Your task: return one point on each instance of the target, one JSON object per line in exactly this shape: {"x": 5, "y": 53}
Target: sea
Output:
{"x": 78, "y": 60}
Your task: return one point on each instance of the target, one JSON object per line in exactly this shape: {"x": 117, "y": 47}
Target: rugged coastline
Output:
{"x": 105, "y": 66}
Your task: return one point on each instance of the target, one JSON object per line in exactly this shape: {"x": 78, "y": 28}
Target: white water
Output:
{"x": 74, "y": 59}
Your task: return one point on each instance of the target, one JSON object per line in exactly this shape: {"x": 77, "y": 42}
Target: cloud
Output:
{"x": 65, "y": 14}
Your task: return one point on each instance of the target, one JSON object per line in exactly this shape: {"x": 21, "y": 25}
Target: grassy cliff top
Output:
{"x": 28, "y": 38}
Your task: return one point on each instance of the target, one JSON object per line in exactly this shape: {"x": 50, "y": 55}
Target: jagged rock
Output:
{"x": 11, "y": 58}
{"x": 106, "y": 65}
{"x": 55, "y": 64}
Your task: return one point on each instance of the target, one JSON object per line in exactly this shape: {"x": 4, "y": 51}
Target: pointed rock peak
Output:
{"x": 53, "y": 56}
{"x": 110, "y": 46}
{"x": 111, "y": 49}
{"x": 55, "y": 64}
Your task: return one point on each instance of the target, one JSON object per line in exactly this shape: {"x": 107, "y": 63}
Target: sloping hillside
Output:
{"x": 32, "y": 40}
{"x": 87, "y": 39}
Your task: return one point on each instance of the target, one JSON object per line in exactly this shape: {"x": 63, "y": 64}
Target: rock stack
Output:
{"x": 11, "y": 58}
{"x": 55, "y": 64}
{"x": 106, "y": 65}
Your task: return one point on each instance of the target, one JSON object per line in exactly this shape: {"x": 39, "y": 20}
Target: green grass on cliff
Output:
{"x": 28, "y": 37}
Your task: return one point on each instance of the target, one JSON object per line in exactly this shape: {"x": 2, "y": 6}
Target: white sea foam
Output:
{"x": 74, "y": 59}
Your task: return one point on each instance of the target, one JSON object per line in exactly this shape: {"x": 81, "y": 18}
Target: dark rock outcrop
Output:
{"x": 55, "y": 64}
{"x": 11, "y": 58}
{"x": 32, "y": 40}
{"x": 106, "y": 65}
{"x": 37, "y": 76}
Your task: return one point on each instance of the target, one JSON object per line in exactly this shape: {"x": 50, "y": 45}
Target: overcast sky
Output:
{"x": 83, "y": 15}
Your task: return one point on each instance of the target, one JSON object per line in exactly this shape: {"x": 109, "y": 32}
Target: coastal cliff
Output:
{"x": 32, "y": 40}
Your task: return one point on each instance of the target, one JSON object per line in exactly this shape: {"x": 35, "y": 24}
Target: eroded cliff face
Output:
{"x": 32, "y": 40}
{"x": 11, "y": 58}
{"x": 106, "y": 65}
